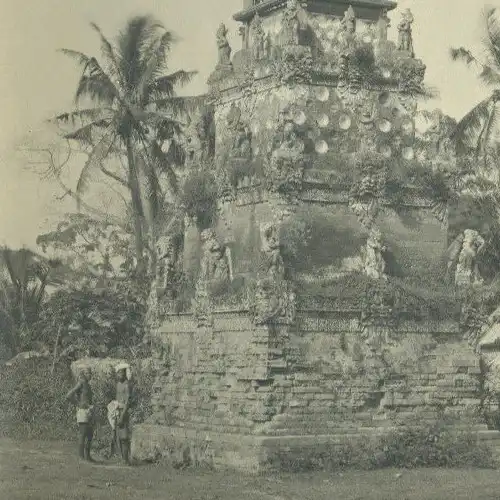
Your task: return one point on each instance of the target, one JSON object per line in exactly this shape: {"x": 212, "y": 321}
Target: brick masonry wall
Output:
{"x": 323, "y": 376}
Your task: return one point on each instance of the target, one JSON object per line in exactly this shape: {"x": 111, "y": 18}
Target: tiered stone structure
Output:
{"x": 313, "y": 117}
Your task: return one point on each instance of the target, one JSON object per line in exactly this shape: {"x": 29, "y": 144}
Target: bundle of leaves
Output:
{"x": 199, "y": 197}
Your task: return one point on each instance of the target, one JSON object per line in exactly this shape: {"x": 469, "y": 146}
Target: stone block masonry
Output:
{"x": 234, "y": 391}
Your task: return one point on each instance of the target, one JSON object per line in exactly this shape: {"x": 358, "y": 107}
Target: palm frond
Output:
{"x": 491, "y": 38}
{"x": 109, "y": 54}
{"x": 96, "y": 157}
{"x": 469, "y": 128}
{"x": 97, "y": 85}
{"x": 165, "y": 85}
{"x": 82, "y": 115}
{"x": 154, "y": 62}
{"x": 464, "y": 55}
{"x": 85, "y": 134}
{"x": 131, "y": 44}
{"x": 487, "y": 74}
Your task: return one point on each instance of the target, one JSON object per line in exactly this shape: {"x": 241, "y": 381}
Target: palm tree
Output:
{"x": 476, "y": 130}
{"x": 134, "y": 113}
{"x": 24, "y": 278}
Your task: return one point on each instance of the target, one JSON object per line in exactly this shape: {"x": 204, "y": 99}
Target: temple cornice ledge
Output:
{"x": 268, "y": 6}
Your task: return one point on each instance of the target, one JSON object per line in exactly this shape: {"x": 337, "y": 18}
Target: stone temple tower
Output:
{"x": 307, "y": 324}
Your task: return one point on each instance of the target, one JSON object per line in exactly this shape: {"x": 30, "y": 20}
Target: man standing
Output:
{"x": 123, "y": 415}
{"x": 81, "y": 395}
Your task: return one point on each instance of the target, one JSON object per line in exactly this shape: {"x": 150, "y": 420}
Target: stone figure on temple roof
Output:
{"x": 291, "y": 23}
{"x": 348, "y": 23}
{"x": 224, "y": 48}
{"x": 405, "y": 40}
{"x": 258, "y": 38}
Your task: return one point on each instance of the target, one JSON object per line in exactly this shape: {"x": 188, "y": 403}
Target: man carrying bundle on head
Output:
{"x": 81, "y": 395}
{"x": 118, "y": 412}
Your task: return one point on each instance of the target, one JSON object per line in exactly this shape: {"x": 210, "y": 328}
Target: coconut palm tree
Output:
{"x": 133, "y": 114}
{"x": 475, "y": 132}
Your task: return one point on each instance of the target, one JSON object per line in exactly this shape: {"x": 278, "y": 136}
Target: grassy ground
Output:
{"x": 50, "y": 471}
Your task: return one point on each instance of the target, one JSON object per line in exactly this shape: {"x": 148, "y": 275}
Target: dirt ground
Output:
{"x": 51, "y": 471}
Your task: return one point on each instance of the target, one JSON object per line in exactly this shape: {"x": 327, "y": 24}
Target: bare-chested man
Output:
{"x": 81, "y": 395}
{"x": 123, "y": 421}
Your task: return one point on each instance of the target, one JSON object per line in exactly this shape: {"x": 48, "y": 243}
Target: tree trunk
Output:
{"x": 136, "y": 205}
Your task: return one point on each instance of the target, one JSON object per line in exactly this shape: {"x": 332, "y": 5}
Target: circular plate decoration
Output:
{"x": 321, "y": 147}
{"x": 408, "y": 153}
{"x": 299, "y": 117}
{"x": 322, "y": 94}
{"x": 323, "y": 121}
{"x": 385, "y": 150}
{"x": 344, "y": 121}
{"x": 396, "y": 112}
{"x": 384, "y": 125}
{"x": 386, "y": 73}
{"x": 384, "y": 98}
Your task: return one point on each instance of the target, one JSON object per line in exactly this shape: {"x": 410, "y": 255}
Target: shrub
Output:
{"x": 32, "y": 400}
{"x": 435, "y": 445}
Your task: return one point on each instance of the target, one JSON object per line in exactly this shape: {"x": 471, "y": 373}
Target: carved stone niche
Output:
{"x": 286, "y": 163}
{"x": 240, "y": 147}
{"x": 274, "y": 294}
{"x": 216, "y": 267}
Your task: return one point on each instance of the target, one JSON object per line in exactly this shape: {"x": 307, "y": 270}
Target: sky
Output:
{"x": 37, "y": 82}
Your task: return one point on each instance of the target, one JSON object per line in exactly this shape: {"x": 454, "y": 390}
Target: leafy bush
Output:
{"x": 32, "y": 400}
{"x": 434, "y": 445}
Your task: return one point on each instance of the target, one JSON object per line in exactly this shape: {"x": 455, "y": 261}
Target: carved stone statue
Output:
{"x": 242, "y": 145}
{"x": 224, "y": 48}
{"x": 405, "y": 41}
{"x": 272, "y": 249}
{"x": 374, "y": 256}
{"x": 348, "y": 23}
{"x": 287, "y": 159}
{"x": 291, "y": 24}
{"x": 274, "y": 299}
{"x": 463, "y": 256}
{"x": 214, "y": 262}
{"x": 165, "y": 266}
{"x": 258, "y": 39}
{"x": 383, "y": 25}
